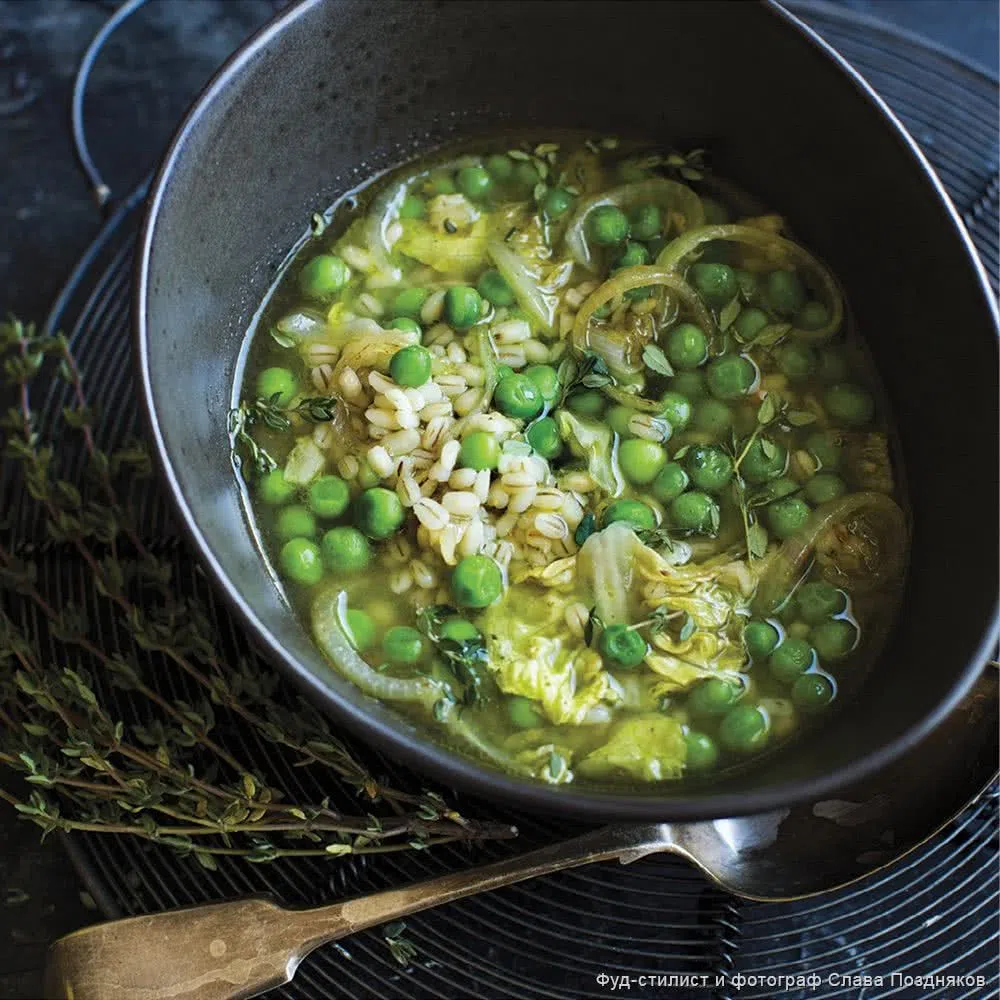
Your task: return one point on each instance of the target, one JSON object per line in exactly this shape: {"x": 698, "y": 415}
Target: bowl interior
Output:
{"x": 333, "y": 91}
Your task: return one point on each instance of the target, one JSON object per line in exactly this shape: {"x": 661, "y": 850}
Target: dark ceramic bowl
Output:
{"x": 331, "y": 91}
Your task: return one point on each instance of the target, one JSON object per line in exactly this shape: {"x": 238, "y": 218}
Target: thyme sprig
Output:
{"x": 590, "y": 371}
{"x": 466, "y": 658}
{"x": 772, "y": 410}
{"x": 166, "y": 774}
{"x": 276, "y": 416}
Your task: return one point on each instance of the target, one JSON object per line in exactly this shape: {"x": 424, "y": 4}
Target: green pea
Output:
{"x": 412, "y": 207}
{"x": 379, "y": 513}
{"x": 586, "y": 403}
{"x": 749, "y": 323}
{"x": 411, "y": 366}
{"x": 784, "y": 292}
{"x": 273, "y": 489}
{"x": 301, "y": 562}
{"x": 408, "y": 302}
{"x": 812, "y": 316}
{"x": 406, "y": 324}
{"x": 833, "y": 640}
{"x": 731, "y": 376}
{"x": 622, "y": 646}
{"x": 403, "y": 645}
{"x": 518, "y": 396}
{"x": 278, "y": 382}
{"x": 760, "y": 638}
{"x": 556, "y": 203}
{"x": 712, "y": 416}
{"x": 345, "y": 550}
{"x": 832, "y": 366}
{"x": 812, "y": 692}
{"x": 634, "y": 513}
{"x": 715, "y": 283}
{"x": 368, "y": 477}
{"x": 607, "y": 225}
{"x": 744, "y": 729}
{"x": 526, "y": 174}
{"x": 716, "y": 214}
{"x": 500, "y": 166}
{"x": 786, "y": 516}
{"x": 543, "y": 435}
{"x": 702, "y": 753}
{"x": 825, "y": 447}
{"x": 797, "y": 361}
{"x": 546, "y": 378}
{"x": 687, "y": 346}
{"x": 714, "y": 696}
{"x": 849, "y": 404}
{"x": 675, "y": 409}
{"x": 493, "y": 287}
{"x": 791, "y": 658}
{"x": 459, "y": 630}
{"x": 360, "y": 629}
{"x": 710, "y": 468}
{"x": 824, "y": 487}
{"x": 671, "y": 482}
{"x": 618, "y": 418}
{"x": 641, "y": 460}
{"x": 462, "y": 307}
{"x": 646, "y": 222}
{"x": 818, "y": 601}
{"x": 765, "y": 459}
{"x": 474, "y": 182}
{"x": 476, "y": 582}
{"x": 323, "y": 277}
{"x": 690, "y": 385}
{"x": 441, "y": 182}
{"x": 633, "y": 255}
{"x": 524, "y": 713}
{"x": 694, "y": 511}
{"x": 295, "y": 521}
{"x": 480, "y": 450}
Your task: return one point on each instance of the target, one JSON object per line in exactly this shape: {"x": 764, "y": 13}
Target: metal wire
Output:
{"x": 102, "y": 193}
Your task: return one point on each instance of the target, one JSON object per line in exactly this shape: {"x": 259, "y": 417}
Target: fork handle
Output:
{"x": 232, "y": 950}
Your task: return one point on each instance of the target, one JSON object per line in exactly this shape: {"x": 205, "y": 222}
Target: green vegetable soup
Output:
{"x": 579, "y": 451}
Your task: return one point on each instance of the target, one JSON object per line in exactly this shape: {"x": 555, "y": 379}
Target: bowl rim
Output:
{"x": 451, "y": 767}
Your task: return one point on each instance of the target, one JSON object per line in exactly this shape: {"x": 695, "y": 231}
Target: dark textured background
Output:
{"x": 147, "y": 75}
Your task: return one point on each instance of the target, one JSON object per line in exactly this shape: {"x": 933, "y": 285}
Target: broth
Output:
{"x": 581, "y": 453}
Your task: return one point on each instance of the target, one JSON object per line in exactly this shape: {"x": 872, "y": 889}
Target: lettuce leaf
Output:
{"x": 605, "y": 570}
{"x": 533, "y": 654}
{"x": 462, "y": 253}
{"x": 374, "y": 349}
{"x": 305, "y": 462}
{"x": 649, "y": 747}
{"x": 592, "y": 440}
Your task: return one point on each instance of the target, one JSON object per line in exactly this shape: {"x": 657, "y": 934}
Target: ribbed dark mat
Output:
{"x": 933, "y": 913}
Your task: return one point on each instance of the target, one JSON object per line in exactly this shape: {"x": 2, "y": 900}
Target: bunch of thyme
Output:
{"x": 164, "y": 774}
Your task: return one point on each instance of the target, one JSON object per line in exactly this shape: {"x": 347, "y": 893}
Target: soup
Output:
{"x": 579, "y": 452}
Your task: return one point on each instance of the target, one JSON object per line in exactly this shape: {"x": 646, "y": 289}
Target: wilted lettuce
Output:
{"x": 591, "y": 440}
{"x": 460, "y": 253}
{"x": 648, "y": 747}
{"x": 533, "y": 654}
{"x": 624, "y": 580}
{"x": 305, "y": 462}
